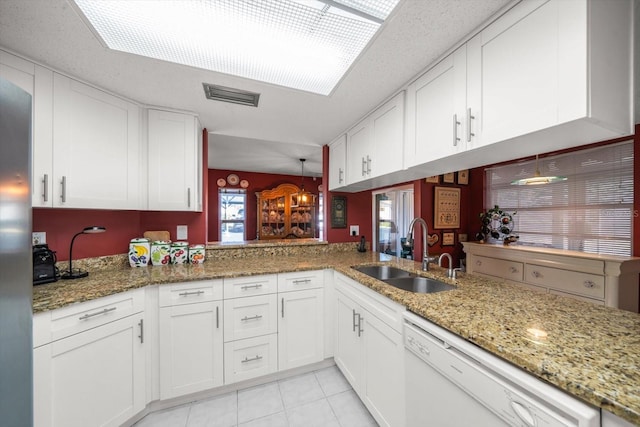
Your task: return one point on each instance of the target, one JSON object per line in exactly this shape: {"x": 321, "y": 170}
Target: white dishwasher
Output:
{"x": 450, "y": 382}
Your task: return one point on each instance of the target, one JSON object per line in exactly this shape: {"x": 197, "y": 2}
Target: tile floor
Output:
{"x": 321, "y": 398}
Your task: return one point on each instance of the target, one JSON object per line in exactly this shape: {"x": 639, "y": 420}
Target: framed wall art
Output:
{"x": 338, "y": 212}
{"x": 446, "y": 207}
{"x": 463, "y": 177}
{"x": 448, "y": 238}
{"x": 433, "y": 179}
{"x": 449, "y": 178}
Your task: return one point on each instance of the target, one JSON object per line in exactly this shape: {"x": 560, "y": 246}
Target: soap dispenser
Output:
{"x": 362, "y": 246}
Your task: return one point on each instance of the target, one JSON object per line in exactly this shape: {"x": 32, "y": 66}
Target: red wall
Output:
{"x": 257, "y": 182}
{"x": 61, "y": 224}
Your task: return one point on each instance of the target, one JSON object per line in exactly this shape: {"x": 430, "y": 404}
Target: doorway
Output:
{"x": 392, "y": 213}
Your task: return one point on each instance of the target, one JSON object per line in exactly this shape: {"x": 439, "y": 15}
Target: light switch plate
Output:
{"x": 182, "y": 232}
{"x": 39, "y": 237}
{"x": 354, "y": 230}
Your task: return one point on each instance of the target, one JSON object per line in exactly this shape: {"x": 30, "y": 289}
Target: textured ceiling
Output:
{"x": 288, "y": 124}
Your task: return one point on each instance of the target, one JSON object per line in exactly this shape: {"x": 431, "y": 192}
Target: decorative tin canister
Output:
{"x": 160, "y": 252}
{"x": 139, "y": 249}
{"x": 179, "y": 252}
{"x": 196, "y": 254}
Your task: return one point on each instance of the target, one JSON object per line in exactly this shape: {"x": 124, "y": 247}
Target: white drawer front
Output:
{"x": 250, "y": 317}
{"x": 300, "y": 280}
{"x": 589, "y": 285}
{"x": 237, "y": 287}
{"x": 80, "y": 317}
{"x": 250, "y": 358}
{"x": 510, "y": 270}
{"x": 190, "y": 292}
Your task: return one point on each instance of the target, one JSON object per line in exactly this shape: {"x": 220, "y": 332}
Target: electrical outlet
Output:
{"x": 354, "y": 230}
{"x": 38, "y": 237}
{"x": 182, "y": 232}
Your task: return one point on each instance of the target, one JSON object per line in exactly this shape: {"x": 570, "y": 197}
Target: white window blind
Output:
{"x": 592, "y": 211}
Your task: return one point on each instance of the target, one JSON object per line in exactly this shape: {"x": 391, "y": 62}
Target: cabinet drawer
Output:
{"x": 300, "y": 280}
{"x": 87, "y": 315}
{"x": 190, "y": 292}
{"x": 250, "y": 317}
{"x": 589, "y": 285}
{"x": 510, "y": 270}
{"x": 236, "y": 287}
{"x": 250, "y": 358}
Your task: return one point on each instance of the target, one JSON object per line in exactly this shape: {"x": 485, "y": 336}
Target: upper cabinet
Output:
{"x": 96, "y": 148}
{"x": 375, "y": 145}
{"x": 175, "y": 161}
{"x": 338, "y": 163}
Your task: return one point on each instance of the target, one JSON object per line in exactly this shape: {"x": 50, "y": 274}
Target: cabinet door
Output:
{"x": 94, "y": 378}
{"x": 383, "y": 388}
{"x": 387, "y": 135}
{"x": 434, "y": 117}
{"x": 173, "y": 161}
{"x": 191, "y": 348}
{"x": 96, "y": 148}
{"x": 348, "y": 347}
{"x": 359, "y": 152}
{"x": 338, "y": 163}
{"x": 300, "y": 328}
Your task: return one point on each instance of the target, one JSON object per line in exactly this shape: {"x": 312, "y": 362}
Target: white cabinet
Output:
{"x": 375, "y": 145}
{"x": 190, "y": 337}
{"x": 91, "y": 370}
{"x": 369, "y": 349}
{"x": 175, "y": 161}
{"x": 338, "y": 163}
{"x": 437, "y": 119}
{"x": 96, "y": 148}
{"x": 300, "y": 319}
{"x": 600, "y": 279}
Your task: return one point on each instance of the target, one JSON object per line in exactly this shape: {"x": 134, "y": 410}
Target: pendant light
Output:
{"x": 304, "y": 197}
{"x": 538, "y": 179}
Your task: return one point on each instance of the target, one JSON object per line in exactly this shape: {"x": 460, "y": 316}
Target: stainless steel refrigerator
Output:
{"x": 16, "y": 258}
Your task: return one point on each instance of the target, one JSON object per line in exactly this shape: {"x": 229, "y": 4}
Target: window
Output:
{"x": 592, "y": 211}
{"x": 393, "y": 210}
{"x": 232, "y": 209}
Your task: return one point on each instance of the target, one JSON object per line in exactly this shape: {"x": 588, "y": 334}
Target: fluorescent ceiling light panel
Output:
{"x": 302, "y": 44}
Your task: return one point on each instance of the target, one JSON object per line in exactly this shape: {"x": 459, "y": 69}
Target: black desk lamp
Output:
{"x": 70, "y": 274}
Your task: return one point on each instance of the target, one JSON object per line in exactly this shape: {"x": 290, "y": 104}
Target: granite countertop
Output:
{"x": 590, "y": 351}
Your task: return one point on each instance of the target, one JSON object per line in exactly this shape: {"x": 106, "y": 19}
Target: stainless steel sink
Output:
{"x": 382, "y": 272}
{"x": 419, "y": 284}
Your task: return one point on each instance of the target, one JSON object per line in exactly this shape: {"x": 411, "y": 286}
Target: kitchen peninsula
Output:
{"x": 590, "y": 351}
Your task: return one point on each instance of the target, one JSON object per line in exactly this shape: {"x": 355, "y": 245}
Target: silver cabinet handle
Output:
{"x": 141, "y": 336}
{"x": 244, "y": 288}
{"x": 189, "y": 293}
{"x": 45, "y": 188}
{"x": 298, "y": 282}
{"x": 256, "y": 317}
{"x": 188, "y": 197}
{"x": 217, "y": 317}
{"x": 97, "y": 313}
{"x": 478, "y": 262}
{"x": 282, "y": 309}
{"x": 246, "y": 359}
{"x": 63, "y": 195}
{"x": 368, "y": 165}
{"x": 513, "y": 270}
{"x": 340, "y": 175}
{"x": 589, "y": 284}
{"x": 360, "y": 330}
{"x": 455, "y": 130}
{"x": 364, "y": 167}
{"x": 469, "y": 118}
{"x": 536, "y": 274}
{"x": 354, "y": 320}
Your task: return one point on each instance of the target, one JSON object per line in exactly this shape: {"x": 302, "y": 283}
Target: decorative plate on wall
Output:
{"x": 221, "y": 182}
{"x": 233, "y": 179}
{"x": 244, "y": 183}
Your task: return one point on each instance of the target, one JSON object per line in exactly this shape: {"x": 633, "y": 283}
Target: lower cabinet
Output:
{"x": 93, "y": 378}
{"x": 369, "y": 351}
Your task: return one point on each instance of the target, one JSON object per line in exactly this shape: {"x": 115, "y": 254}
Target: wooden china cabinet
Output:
{"x": 282, "y": 216}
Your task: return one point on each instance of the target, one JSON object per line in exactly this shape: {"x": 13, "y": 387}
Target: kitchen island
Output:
{"x": 589, "y": 351}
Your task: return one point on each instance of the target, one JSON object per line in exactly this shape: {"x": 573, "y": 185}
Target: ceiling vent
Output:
{"x": 229, "y": 94}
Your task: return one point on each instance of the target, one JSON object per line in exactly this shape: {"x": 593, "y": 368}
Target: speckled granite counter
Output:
{"x": 590, "y": 351}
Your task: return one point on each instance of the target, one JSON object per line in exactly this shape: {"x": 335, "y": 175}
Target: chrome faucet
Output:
{"x": 425, "y": 244}
{"x": 450, "y": 272}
